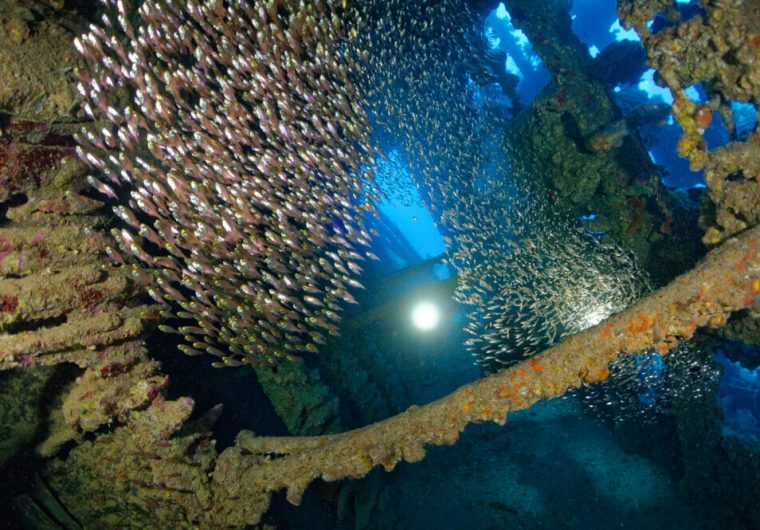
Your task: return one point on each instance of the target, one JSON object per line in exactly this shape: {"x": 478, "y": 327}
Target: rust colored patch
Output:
{"x": 640, "y": 324}
{"x": 91, "y": 296}
{"x": 636, "y": 202}
{"x": 111, "y": 369}
{"x": 636, "y": 208}
{"x": 8, "y": 303}
{"x": 607, "y": 331}
{"x": 535, "y": 365}
{"x": 5, "y": 247}
{"x": 23, "y": 159}
{"x": 667, "y": 226}
{"x": 704, "y": 118}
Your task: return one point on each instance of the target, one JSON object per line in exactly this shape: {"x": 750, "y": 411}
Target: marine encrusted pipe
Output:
{"x": 727, "y": 280}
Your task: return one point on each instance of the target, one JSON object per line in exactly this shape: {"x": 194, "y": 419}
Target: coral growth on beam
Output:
{"x": 720, "y": 48}
{"x": 727, "y": 280}
{"x": 234, "y": 488}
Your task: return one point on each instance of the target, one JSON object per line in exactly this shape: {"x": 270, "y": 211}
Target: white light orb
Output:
{"x": 425, "y": 316}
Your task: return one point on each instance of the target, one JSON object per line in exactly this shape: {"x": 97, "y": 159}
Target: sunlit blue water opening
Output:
{"x": 739, "y": 398}
{"x": 521, "y": 60}
{"x": 404, "y": 208}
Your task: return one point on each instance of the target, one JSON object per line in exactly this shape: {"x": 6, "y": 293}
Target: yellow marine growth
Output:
{"x": 698, "y": 51}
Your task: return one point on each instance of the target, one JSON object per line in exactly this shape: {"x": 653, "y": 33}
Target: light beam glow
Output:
{"x": 425, "y": 316}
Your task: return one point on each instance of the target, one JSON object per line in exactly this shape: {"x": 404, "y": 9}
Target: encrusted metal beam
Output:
{"x": 727, "y": 280}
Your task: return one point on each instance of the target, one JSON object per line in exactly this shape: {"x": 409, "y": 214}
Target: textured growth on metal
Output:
{"x": 719, "y": 48}
{"x": 727, "y": 280}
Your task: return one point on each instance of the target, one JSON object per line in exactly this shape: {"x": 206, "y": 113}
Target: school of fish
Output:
{"x": 527, "y": 275}
{"x": 239, "y": 137}
{"x": 240, "y": 140}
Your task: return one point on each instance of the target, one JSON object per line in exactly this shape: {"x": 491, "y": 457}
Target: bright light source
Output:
{"x": 425, "y": 316}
